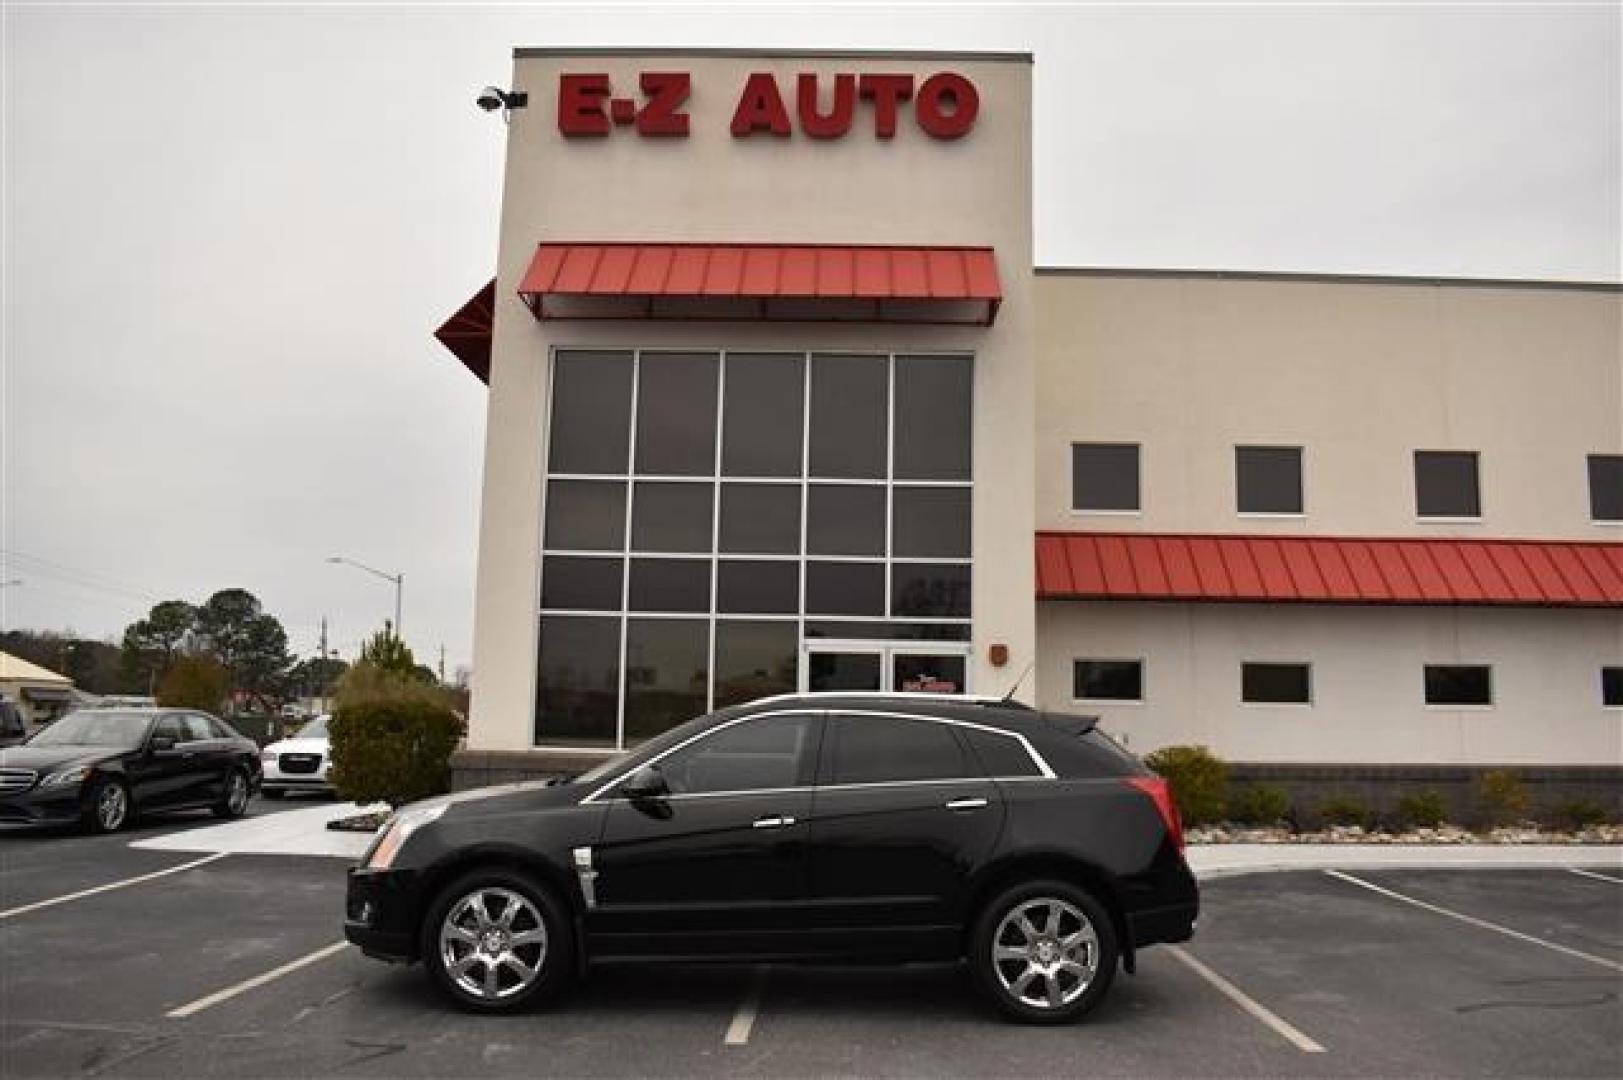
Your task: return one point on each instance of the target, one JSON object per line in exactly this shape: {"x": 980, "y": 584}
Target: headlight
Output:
{"x": 68, "y": 776}
{"x": 397, "y": 831}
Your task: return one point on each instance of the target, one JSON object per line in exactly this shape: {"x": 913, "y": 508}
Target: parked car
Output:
{"x": 102, "y": 767}
{"x": 869, "y": 827}
{"x": 300, "y": 763}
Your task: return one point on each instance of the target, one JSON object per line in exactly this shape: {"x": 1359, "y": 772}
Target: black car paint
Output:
{"x": 186, "y": 776}
{"x": 872, "y": 873}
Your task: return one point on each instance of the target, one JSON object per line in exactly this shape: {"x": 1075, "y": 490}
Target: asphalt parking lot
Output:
{"x": 231, "y": 966}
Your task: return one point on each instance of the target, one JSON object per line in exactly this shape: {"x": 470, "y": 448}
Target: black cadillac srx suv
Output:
{"x": 849, "y": 827}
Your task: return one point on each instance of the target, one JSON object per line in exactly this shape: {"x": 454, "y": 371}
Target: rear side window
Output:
{"x": 755, "y": 755}
{"x": 879, "y": 749}
{"x": 999, "y": 755}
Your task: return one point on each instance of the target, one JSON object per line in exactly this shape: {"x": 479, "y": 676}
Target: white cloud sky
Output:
{"x": 229, "y": 232}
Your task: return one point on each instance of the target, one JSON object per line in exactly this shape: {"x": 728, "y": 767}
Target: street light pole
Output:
{"x": 399, "y": 581}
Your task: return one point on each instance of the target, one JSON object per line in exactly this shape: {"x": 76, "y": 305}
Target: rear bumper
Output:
{"x": 381, "y": 913}
{"x": 1163, "y": 925}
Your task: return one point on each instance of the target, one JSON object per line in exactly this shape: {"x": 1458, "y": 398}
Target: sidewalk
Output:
{"x": 290, "y": 832}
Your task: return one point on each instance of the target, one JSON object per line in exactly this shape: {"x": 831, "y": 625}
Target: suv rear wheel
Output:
{"x": 495, "y": 940}
{"x": 1045, "y": 951}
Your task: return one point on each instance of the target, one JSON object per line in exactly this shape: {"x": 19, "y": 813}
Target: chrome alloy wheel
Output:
{"x": 112, "y": 807}
{"x": 493, "y": 943}
{"x": 1045, "y": 953}
{"x": 236, "y": 794}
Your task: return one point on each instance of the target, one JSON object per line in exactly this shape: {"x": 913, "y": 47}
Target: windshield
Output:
{"x": 315, "y": 729}
{"x": 96, "y": 727}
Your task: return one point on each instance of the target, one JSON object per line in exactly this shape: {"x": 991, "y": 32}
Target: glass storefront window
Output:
{"x": 755, "y": 660}
{"x": 667, "y": 674}
{"x": 578, "y": 680}
{"x": 591, "y": 412}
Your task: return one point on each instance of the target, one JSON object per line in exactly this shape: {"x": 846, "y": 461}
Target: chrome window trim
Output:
{"x": 1036, "y": 758}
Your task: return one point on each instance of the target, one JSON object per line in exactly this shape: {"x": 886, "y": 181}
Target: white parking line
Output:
{"x": 1250, "y": 1005}
{"x": 738, "y": 1032}
{"x": 1484, "y": 924}
{"x": 26, "y": 908}
{"x": 192, "y": 1008}
{"x": 1597, "y": 877}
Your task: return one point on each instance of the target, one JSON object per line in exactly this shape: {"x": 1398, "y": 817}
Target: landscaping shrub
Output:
{"x": 195, "y": 682}
{"x": 1198, "y": 778}
{"x": 1260, "y": 804}
{"x": 392, "y": 738}
{"x": 1577, "y": 813}
{"x": 1503, "y": 796}
{"x": 1344, "y": 810}
{"x": 1422, "y": 809}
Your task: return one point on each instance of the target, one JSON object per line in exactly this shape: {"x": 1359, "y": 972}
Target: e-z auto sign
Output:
{"x": 943, "y": 105}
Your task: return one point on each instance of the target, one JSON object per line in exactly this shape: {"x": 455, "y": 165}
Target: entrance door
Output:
{"x": 854, "y": 667}
{"x": 901, "y": 667}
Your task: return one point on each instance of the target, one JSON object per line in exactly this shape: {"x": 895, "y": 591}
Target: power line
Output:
{"x": 78, "y": 576}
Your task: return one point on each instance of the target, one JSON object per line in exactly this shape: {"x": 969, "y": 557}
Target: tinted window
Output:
{"x": 671, "y": 517}
{"x": 842, "y": 671}
{"x": 889, "y": 631}
{"x": 875, "y": 749}
{"x": 758, "y": 588}
{"x": 667, "y": 673}
{"x": 1104, "y": 476}
{"x": 929, "y": 590}
{"x": 999, "y": 755}
{"x": 676, "y": 414}
{"x": 196, "y": 728}
{"x": 1284, "y": 684}
{"x": 850, "y": 407}
{"x": 760, "y": 519}
{"x": 931, "y": 523}
{"x": 1109, "y": 680}
{"x": 923, "y": 674}
{"x": 1268, "y": 479}
{"x": 591, "y": 412}
{"x": 577, "y": 680}
{"x": 1611, "y": 687}
{"x": 576, "y": 583}
{"x": 755, "y": 659}
{"x": 1458, "y": 684}
{"x": 845, "y": 588}
{"x": 1445, "y": 484}
{"x": 934, "y": 417}
{"x": 755, "y": 755}
{"x": 586, "y": 515}
{"x": 844, "y": 520}
{"x": 1606, "y": 487}
{"x": 670, "y": 585}
{"x": 765, "y": 403}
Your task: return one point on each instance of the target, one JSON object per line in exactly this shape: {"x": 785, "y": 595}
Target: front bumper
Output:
{"x": 382, "y": 910}
{"x": 276, "y": 779}
{"x": 42, "y": 806}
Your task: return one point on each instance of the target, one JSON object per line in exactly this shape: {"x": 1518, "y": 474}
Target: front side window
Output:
{"x": 887, "y": 749}
{"x": 1104, "y": 477}
{"x": 1268, "y": 479}
{"x": 1276, "y": 684}
{"x": 1108, "y": 680}
{"x": 754, "y": 755}
{"x": 1459, "y": 684}
{"x": 1446, "y": 484}
{"x": 1606, "y": 487}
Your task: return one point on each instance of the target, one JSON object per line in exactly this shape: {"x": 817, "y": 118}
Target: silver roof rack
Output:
{"x": 901, "y": 695}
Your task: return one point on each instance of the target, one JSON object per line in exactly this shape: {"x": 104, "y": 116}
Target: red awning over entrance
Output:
{"x": 1328, "y": 570}
{"x": 770, "y": 282}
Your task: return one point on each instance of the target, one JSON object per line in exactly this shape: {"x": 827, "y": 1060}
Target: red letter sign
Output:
{"x": 838, "y": 120}
{"x": 666, "y": 91}
{"x": 886, "y": 92}
{"x": 760, "y": 108}
{"x": 947, "y": 89}
{"x": 580, "y": 104}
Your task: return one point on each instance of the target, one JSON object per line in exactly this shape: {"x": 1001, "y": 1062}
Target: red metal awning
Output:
{"x": 783, "y": 282}
{"x": 1327, "y": 570}
{"x": 467, "y": 333}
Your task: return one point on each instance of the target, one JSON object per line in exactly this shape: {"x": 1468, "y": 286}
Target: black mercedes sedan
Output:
{"x": 101, "y": 767}
{"x": 820, "y": 827}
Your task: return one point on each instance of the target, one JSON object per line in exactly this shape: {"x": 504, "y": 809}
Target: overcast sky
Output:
{"x": 229, "y": 232}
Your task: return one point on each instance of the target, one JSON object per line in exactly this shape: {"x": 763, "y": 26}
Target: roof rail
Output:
{"x": 902, "y": 695}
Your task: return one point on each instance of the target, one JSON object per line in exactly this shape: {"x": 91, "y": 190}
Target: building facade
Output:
{"x": 778, "y": 402}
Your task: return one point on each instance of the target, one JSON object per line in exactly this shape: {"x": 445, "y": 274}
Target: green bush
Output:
{"x": 1503, "y": 796}
{"x": 1577, "y": 813}
{"x": 1422, "y": 809}
{"x": 1344, "y": 810}
{"x": 1198, "y": 778}
{"x": 1260, "y": 804}
{"x": 391, "y": 738}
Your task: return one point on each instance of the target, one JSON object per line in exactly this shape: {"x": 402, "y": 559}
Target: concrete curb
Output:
{"x": 1211, "y": 861}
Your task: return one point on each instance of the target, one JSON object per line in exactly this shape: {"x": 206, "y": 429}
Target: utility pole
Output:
{"x": 321, "y": 668}
{"x": 442, "y": 664}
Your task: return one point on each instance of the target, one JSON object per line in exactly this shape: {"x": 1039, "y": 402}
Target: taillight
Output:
{"x": 1161, "y": 792}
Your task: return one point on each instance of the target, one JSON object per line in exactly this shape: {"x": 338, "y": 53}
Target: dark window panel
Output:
{"x": 1611, "y": 687}
{"x": 934, "y": 417}
{"x": 1109, "y": 680}
{"x": 671, "y": 517}
{"x": 766, "y": 754}
{"x": 921, "y": 674}
{"x": 676, "y": 414}
{"x": 591, "y": 412}
{"x": 755, "y": 660}
{"x": 931, "y": 523}
{"x": 577, "y": 583}
{"x": 667, "y": 674}
{"x": 1459, "y": 684}
{"x": 670, "y": 585}
{"x": 850, "y": 410}
{"x": 1104, "y": 476}
{"x": 1446, "y": 484}
{"x": 999, "y": 755}
{"x": 845, "y": 588}
{"x": 1268, "y": 479}
{"x": 578, "y": 680}
{"x": 843, "y": 520}
{"x": 758, "y": 588}
{"x": 760, "y": 519}
{"x": 1606, "y": 487}
{"x": 883, "y": 749}
{"x": 765, "y": 407}
{"x": 833, "y": 671}
{"x": 586, "y": 515}
{"x": 887, "y": 631}
{"x": 929, "y": 590}
{"x": 1276, "y": 684}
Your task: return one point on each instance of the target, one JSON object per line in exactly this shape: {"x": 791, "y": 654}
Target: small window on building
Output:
{"x": 1276, "y": 684}
{"x": 1459, "y": 684}
{"x": 1446, "y": 484}
{"x": 1268, "y": 479}
{"x": 1104, "y": 476}
{"x": 1606, "y": 487}
{"x": 1109, "y": 680}
{"x": 1611, "y": 687}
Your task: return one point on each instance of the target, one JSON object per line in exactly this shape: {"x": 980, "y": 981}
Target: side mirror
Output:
{"x": 161, "y": 744}
{"x": 646, "y": 783}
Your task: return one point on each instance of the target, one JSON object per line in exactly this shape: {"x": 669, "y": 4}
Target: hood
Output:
{"x": 298, "y": 746}
{"x": 505, "y": 798}
{"x": 51, "y": 758}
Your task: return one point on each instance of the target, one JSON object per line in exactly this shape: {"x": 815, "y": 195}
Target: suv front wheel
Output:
{"x": 1045, "y": 951}
{"x": 495, "y": 940}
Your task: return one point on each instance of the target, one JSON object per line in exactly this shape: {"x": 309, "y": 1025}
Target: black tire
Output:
{"x": 1079, "y": 950}
{"x": 273, "y": 792}
{"x": 108, "y": 807}
{"x": 234, "y": 801}
{"x": 553, "y": 962}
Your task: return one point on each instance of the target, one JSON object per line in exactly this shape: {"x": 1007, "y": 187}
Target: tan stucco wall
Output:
{"x": 712, "y": 187}
{"x": 1367, "y": 680}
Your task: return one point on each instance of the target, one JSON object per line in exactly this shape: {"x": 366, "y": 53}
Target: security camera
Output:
{"x": 490, "y": 99}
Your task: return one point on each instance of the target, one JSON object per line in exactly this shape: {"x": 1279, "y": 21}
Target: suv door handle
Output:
{"x": 967, "y": 804}
{"x": 773, "y": 822}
